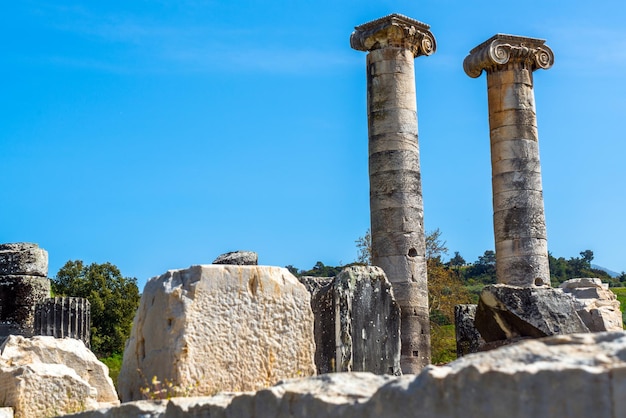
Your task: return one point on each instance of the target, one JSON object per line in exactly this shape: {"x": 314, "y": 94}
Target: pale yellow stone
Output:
{"x": 219, "y": 328}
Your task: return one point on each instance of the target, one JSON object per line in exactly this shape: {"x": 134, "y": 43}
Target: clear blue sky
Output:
{"x": 160, "y": 134}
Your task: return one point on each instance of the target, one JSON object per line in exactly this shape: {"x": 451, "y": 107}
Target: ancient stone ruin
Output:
{"x": 23, "y": 283}
{"x": 213, "y": 328}
{"x": 522, "y": 304}
{"x": 25, "y": 304}
{"x": 357, "y": 322}
{"x": 518, "y": 215}
{"x": 396, "y": 208}
{"x": 234, "y": 326}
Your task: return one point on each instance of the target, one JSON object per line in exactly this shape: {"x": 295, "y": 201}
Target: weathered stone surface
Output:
{"x": 20, "y": 351}
{"x": 23, "y": 258}
{"x": 45, "y": 376}
{"x": 396, "y": 207}
{"x": 597, "y": 306}
{"x": 574, "y": 376}
{"x": 18, "y": 297}
{"x": 357, "y": 322}
{"x": 210, "y": 328}
{"x": 506, "y": 312}
{"x": 6, "y": 412}
{"x": 468, "y": 339}
{"x": 519, "y": 220}
{"x": 45, "y": 390}
{"x": 239, "y": 258}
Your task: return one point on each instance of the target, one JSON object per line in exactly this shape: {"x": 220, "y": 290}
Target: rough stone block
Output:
{"x": 597, "y": 306}
{"x": 468, "y": 339}
{"x": 506, "y": 312}
{"x": 574, "y": 376}
{"x": 357, "y": 322}
{"x": 219, "y": 328}
{"x": 23, "y": 258}
{"x": 20, "y": 351}
{"x": 239, "y": 258}
{"x": 46, "y": 376}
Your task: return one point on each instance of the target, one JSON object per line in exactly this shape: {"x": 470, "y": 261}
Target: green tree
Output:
{"x": 364, "y": 248}
{"x": 113, "y": 298}
{"x": 435, "y": 246}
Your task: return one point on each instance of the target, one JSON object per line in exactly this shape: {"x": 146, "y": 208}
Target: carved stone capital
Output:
{"x": 396, "y": 31}
{"x": 502, "y": 51}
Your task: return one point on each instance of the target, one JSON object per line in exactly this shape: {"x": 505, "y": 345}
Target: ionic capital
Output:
{"x": 502, "y": 51}
{"x": 394, "y": 31}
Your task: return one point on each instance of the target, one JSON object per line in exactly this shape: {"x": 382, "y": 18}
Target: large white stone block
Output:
{"x": 47, "y": 376}
{"x": 20, "y": 351}
{"x": 216, "y": 328}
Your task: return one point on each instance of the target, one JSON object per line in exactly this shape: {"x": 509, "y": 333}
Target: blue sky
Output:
{"x": 160, "y": 134}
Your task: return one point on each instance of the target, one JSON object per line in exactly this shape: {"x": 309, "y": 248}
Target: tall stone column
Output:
{"x": 396, "y": 208}
{"x": 518, "y": 212}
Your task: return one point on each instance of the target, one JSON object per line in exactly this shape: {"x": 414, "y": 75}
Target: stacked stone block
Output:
{"x": 23, "y": 284}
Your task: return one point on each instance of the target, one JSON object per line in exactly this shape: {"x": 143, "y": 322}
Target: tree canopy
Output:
{"x": 113, "y": 298}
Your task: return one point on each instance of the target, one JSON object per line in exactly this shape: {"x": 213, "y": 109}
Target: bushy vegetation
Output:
{"x": 113, "y": 299}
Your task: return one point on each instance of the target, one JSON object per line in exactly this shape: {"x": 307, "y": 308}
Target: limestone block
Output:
{"x": 506, "y": 312}
{"x": 574, "y": 376}
{"x": 357, "y": 322}
{"x": 468, "y": 339}
{"x": 20, "y": 351}
{"x": 240, "y": 258}
{"x": 597, "y": 306}
{"x": 219, "y": 327}
{"x": 44, "y": 390}
{"x": 23, "y": 258}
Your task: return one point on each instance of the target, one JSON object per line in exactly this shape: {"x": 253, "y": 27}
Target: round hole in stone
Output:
{"x": 539, "y": 281}
{"x": 412, "y": 252}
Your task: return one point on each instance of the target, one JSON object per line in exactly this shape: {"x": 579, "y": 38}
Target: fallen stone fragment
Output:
{"x": 239, "y": 258}
{"x": 507, "y": 312}
{"x": 596, "y": 305}
{"x": 47, "y": 376}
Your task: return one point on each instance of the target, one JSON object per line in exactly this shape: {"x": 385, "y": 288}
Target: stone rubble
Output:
{"x": 574, "y": 376}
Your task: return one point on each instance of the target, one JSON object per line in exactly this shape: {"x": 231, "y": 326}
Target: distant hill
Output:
{"x": 609, "y": 272}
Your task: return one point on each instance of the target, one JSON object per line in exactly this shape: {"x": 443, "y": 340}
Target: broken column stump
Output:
{"x": 357, "y": 322}
{"x": 23, "y": 284}
{"x": 62, "y": 317}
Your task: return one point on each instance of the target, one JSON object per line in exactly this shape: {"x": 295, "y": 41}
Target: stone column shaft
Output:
{"x": 518, "y": 211}
{"x": 396, "y": 207}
